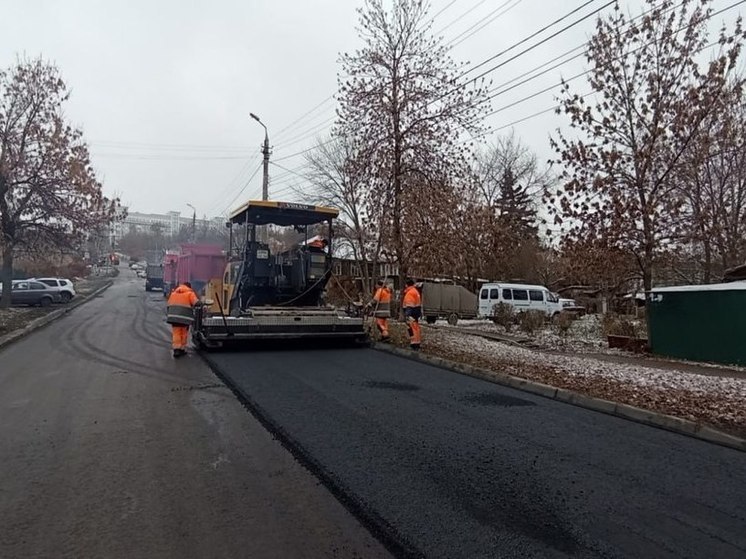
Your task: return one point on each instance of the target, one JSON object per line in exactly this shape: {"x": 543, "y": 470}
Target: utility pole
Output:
{"x": 194, "y": 223}
{"x": 265, "y": 152}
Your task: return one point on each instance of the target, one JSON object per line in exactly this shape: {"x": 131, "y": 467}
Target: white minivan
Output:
{"x": 520, "y": 296}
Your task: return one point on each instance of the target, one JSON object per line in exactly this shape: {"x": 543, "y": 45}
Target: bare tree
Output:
{"x": 504, "y": 198}
{"x": 49, "y": 195}
{"x": 714, "y": 186}
{"x": 652, "y": 97}
{"x": 509, "y": 158}
{"x": 336, "y": 179}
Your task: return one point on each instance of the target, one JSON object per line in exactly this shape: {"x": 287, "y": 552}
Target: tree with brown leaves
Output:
{"x": 49, "y": 195}
{"x": 651, "y": 96}
{"x": 405, "y": 112}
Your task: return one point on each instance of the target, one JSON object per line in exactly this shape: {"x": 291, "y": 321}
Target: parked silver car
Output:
{"x": 32, "y": 293}
{"x": 63, "y": 286}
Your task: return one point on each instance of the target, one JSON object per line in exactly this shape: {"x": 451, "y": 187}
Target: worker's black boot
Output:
{"x": 176, "y": 353}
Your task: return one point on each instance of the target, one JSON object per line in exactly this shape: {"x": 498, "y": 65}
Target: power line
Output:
{"x": 303, "y": 116}
{"x": 124, "y": 145}
{"x": 236, "y": 179}
{"x": 459, "y": 18}
{"x": 242, "y": 189}
{"x": 502, "y": 88}
{"x": 526, "y": 39}
{"x": 301, "y": 136}
{"x": 482, "y": 23}
{"x": 546, "y": 39}
{"x": 451, "y": 3}
{"x": 290, "y": 170}
{"x": 535, "y": 94}
{"x": 559, "y": 105}
{"x": 162, "y": 157}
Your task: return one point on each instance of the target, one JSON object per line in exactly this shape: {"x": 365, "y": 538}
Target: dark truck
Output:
{"x": 153, "y": 277}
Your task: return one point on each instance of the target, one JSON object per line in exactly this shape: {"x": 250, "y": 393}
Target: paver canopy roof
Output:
{"x": 261, "y": 212}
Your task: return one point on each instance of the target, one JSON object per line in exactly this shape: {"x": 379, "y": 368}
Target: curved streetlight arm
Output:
{"x": 252, "y": 115}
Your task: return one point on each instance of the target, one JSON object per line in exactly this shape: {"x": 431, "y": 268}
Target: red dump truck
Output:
{"x": 197, "y": 264}
{"x": 169, "y": 271}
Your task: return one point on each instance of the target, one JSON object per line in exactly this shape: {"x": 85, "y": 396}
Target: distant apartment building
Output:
{"x": 169, "y": 223}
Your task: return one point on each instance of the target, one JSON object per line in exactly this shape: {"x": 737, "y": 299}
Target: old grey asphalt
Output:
{"x": 110, "y": 448}
{"x": 456, "y": 467}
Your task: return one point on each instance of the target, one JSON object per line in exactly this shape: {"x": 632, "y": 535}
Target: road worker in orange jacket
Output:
{"x": 180, "y": 316}
{"x": 382, "y": 309}
{"x": 412, "y": 304}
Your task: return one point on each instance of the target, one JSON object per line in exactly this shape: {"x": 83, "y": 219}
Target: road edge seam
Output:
{"x": 43, "y": 321}
{"x": 625, "y": 411}
{"x": 386, "y": 534}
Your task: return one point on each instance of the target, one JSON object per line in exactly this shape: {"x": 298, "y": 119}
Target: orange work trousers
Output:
{"x": 180, "y": 337}
{"x": 383, "y": 326}
{"x": 415, "y": 334}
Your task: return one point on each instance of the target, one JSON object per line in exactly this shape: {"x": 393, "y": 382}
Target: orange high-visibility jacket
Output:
{"x": 382, "y": 296}
{"x": 411, "y": 297}
{"x": 182, "y": 296}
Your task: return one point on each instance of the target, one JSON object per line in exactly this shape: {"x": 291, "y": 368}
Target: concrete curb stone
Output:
{"x": 624, "y": 411}
{"x": 42, "y": 321}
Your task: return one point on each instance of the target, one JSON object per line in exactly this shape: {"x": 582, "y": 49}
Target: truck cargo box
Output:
{"x": 440, "y": 300}
{"x": 198, "y": 264}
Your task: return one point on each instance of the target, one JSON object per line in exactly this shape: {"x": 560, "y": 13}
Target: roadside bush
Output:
{"x": 562, "y": 324}
{"x": 503, "y": 315}
{"x": 619, "y": 325}
{"x": 531, "y": 321}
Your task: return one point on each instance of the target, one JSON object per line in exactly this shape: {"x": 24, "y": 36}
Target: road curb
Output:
{"x": 42, "y": 321}
{"x": 624, "y": 411}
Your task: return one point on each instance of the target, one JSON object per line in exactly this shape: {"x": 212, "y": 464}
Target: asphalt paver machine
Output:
{"x": 270, "y": 290}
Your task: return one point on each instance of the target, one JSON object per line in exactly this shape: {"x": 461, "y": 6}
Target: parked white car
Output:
{"x": 63, "y": 286}
{"x": 520, "y": 296}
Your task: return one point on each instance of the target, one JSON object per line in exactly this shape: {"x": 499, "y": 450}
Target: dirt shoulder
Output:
{"x": 712, "y": 399}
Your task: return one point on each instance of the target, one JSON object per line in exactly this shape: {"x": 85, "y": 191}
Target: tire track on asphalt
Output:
{"x": 77, "y": 344}
{"x": 140, "y": 329}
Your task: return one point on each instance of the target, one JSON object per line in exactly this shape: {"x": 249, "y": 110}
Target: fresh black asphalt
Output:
{"x": 444, "y": 465}
{"x": 110, "y": 448}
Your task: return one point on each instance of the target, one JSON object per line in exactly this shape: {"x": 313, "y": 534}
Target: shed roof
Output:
{"x": 731, "y": 286}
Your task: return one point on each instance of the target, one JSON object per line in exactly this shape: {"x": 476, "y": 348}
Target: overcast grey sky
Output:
{"x": 163, "y": 88}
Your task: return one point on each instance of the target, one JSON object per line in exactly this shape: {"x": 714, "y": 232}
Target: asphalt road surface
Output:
{"x": 110, "y": 448}
{"x": 450, "y": 466}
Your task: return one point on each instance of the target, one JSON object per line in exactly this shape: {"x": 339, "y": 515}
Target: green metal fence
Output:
{"x": 699, "y": 323}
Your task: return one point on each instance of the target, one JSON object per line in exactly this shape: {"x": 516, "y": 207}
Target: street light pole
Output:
{"x": 194, "y": 223}
{"x": 265, "y": 152}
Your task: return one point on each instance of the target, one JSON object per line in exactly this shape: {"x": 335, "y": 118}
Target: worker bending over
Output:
{"x": 382, "y": 309}
{"x": 412, "y": 303}
{"x": 180, "y": 315}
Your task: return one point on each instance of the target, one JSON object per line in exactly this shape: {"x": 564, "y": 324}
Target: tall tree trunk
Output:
{"x": 708, "y": 260}
{"x": 647, "y": 275}
{"x": 6, "y": 276}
